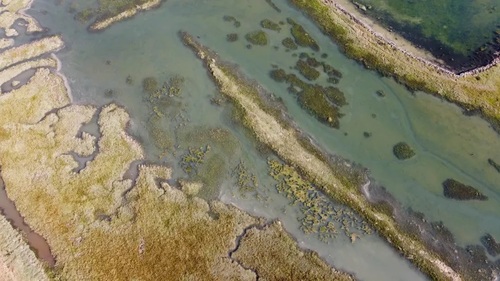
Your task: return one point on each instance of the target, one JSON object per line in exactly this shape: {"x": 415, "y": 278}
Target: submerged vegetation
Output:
{"x": 320, "y": 215}
{"x": 321, "y": 102}
{"x": 456, "y": 190}
{"x": 403, "y": 151}
{"x": 289, "y": 43}
{"x": 358, "y": 42}
{"x": 302, "y": 38}
{"x": 258, "y": 37}
{"x": 269, "y": 24}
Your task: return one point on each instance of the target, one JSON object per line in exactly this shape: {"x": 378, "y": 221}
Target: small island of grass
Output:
{"x": 258, "y": 38}
{"x": 456, "y": 190}
{"x": 403, "y": 151}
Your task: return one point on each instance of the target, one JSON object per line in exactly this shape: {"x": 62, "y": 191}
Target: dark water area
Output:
{"x": 464, "y": 34}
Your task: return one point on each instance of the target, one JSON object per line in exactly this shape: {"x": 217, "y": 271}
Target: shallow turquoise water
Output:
{"x": 448, "y": 144}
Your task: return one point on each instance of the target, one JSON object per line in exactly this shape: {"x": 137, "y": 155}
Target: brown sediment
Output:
{"x": 285, "y": 142}
{"x": 259, "y": 250}
{"x": 476, "y": 90}
{"x": 105, "y": 23}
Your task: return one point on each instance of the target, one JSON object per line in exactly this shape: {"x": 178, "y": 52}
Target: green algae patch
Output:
{"x": 16, "y": 258}
{"x": 321, "y": 102}
{"x": 306, "y": 70}
{"x": 456, "y": 190}
{"x": 232, "y": 19}
{"x": 403, "y": 151}
{"x": 232, "y": 37}
{"x": 260, "y": 250}
{"x": 320, "y": 216}
{"x": 289, "y": 43}
{"x": 285, "y": 141}
{"x": 258, "y": 38}
{"x": 245, "y": 180}
{"x": 302, "y": 38}
{"x": 100, "y": 225}
{"x": 269, "y": 24}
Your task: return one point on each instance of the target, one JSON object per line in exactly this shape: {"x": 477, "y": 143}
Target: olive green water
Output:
{"x": 462, "y": 27}
{"x": 447, "y": 144}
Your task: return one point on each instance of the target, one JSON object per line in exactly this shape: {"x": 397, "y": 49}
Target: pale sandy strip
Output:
{"x": 124, "y": 15}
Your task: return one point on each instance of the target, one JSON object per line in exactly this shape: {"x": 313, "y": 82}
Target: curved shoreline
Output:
{"x": 476, "y": 91}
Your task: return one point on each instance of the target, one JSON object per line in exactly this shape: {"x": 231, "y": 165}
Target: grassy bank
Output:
{"x": 475, "y": 92}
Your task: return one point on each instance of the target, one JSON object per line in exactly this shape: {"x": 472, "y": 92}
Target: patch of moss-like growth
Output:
{"x": 246, "y": 181}
{"x": 493, "y": 164}
{"x": 85, "y": 15}
{"x": 149, "y": 85}
{"x": 456, "y": 190}
{"x": 491, "y": 245}
{"x": 232, "y": 19}
{"x": 302, "y": 38}
{"x": 403, "y": 151}
{"x": 321, "y": 102}
{"x": 258, "y": 37}
{"x": 307, "y": 71}
{"x": 269, "y": 24}
{"x": 232, "y": 37}
{"x": 289, "y": 43}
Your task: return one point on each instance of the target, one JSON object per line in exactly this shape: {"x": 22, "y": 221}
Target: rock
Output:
{"x": 456, "y": 190}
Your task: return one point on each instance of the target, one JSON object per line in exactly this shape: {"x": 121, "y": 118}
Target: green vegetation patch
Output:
{"x": 302, "y": 38}
{"x": 269, "y": 24}
{"x": 258, "y": 37}
{"x": 456, "y": 190}
{"x": 85, "y": 15}
{"x": 321, "y": 216}
{"x": 322, "y": 102}
{"x": 232, "y": 37}
{"x": 403, "y": 151}
{"x": 491, "y": 245}
{"x": 306, "y": 70}
{"x": 289, "y": 43}
{"x": 245, "y": 180}
{"x": 232, "y": 19}
{"x": 192, "y": 159}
